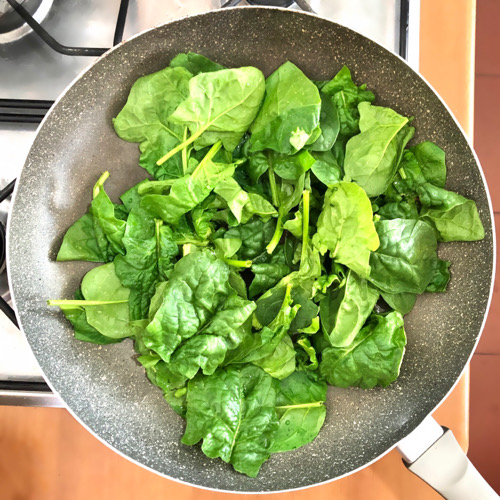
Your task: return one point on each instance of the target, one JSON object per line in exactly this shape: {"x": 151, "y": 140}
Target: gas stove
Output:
{"x": 45, "y": 44}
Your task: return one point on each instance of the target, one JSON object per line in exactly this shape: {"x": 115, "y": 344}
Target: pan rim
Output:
{"x": 410, "y": 428}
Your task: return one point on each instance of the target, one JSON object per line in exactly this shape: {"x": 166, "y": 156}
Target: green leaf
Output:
{"x": 372, "y": 157}
{"x": 145, "y": 118}
{"x": 80, "y": 243}
{"x": 255, "y": 235}
{"x": 281, "y": 362}
{"x": 198, "y": 301}
{"x": 132, "y": 196}
{"x": 188, "y": 191}
{"x": 454, "y": 217}
{"x": 105, "y": 302}
{"x": 290, "y": 114}
{"x": 344, "y": 310}
{"x": 301, "y": 411}
{"x": 287, "y": 195}
{"x": 292, "y": 167}
{"x": 243, "y": 205}
{"x": 267, "y": 274}
{"x": 221, "y": 105}
{"x": 372, "y": 359}
{"x": 233, "y": 412}
{"x": 108, "y": 229}
{"x": 346, "y": 96}
{"x": 400, "y": 302}
{"x": 150, "y": 250}
{"x": 256, "y": 166}
{"x": 432, "y": 160}
{"x": 174, "y": 387}
{"x": 329, "y": 124}
{"x": 195, "y": 63}
{"x": 294, "y": 225}
{"x": 83, "y": 331}
{"x": 409, "y": 176}
{"x": 306, "y": 357}
{"x": 326, "y": 168}
{"x": 441, "y": 277}
{"x": 345, "y": 227}
{"x": 398, "y": 210}
{"x": 406, "y": 258}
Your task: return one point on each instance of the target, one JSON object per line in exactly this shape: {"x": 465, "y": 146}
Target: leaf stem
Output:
{"x": 276, "y": 236}
{"x": 98, "y": 185}
{"x": 314, "y": 404}
{"x": 80, "y": 303}
{"x": 180, "y": 146}
{"x": 208, "y": 157}
{"x": 305, "y": 225}
{"x": 185, "y": 152}
{"x": 238, "y": 263}
{"x": 272, "y": 183}
{"x": 158, "y": 224}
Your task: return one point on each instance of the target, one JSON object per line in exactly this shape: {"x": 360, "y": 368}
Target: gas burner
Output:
{"x": 272, "y": 3}
{"x": 12, "y": 26}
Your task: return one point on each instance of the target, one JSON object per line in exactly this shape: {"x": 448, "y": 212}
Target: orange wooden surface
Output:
{"x": 47, "y": 455}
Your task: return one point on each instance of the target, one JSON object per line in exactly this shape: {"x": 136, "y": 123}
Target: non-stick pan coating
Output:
{"x": 103, "y": 386}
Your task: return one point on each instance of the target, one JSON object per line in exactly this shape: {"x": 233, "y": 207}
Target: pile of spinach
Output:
{"x": 284, "y": 231}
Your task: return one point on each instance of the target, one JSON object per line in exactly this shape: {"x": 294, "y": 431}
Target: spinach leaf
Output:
{"x": 401, "y": 302}
{"x": 271, "y": 348}
{"x": 83, "y": 331}
{"x": 286, "y": 196}
{"x": 346, "y": 96}
{"x": 267, "y": 274}
{"x": 207, "y": 349}
{"x": 326, "y": 168}
{"x": 198, "y": 300}
{"x": 398, "y": 210}
{"x": 372, "y": 157}
{"x": 454, "y": 217}
{"x": 372, "y": 359}
{"x": 132, "y": 196}
{"x": 291, "y": 167}
{"x": 243, "y": 205}
{"x": 345, "y": 227}
{"x": 301, "y": 411}
{"x": 256, "y": 166}
{"x": 441, "y": 277}
{"x": 269, "y": 304}
{"x": 431, "y": 159}
{"x": 195, "y": 63}
{"x": 105, "y": 303}
{"x": 80, "y": 243}
{"x": 233, "y": 412}
{"x": 281, "y": 362}
{"x": 174, "y": 387}
{"x": 254, "y": 235}
{"x": 306, "y": 357}
{"x": 344, "y": 310}
{"x": 145, "y": 118}
{"x": 108, "y": 229}
{"x": 188, "y": 191}
{"x": 150, "y": 250}
{"x": 406, "y": 258}
{"x": 290, "y": 114}
{"x": 220, "y": 107}
{"x": 329, "y": 124}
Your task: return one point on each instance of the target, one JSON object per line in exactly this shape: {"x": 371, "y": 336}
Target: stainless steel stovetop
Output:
{"x": 33, "y": 74}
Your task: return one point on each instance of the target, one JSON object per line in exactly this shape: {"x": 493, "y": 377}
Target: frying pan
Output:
{"x": 103, "y": 386}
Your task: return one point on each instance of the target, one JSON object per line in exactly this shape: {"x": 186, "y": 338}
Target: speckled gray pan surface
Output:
{"x": 103, "y": 386}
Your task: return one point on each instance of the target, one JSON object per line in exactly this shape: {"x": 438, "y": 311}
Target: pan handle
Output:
{"x": 433, "y": 454}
